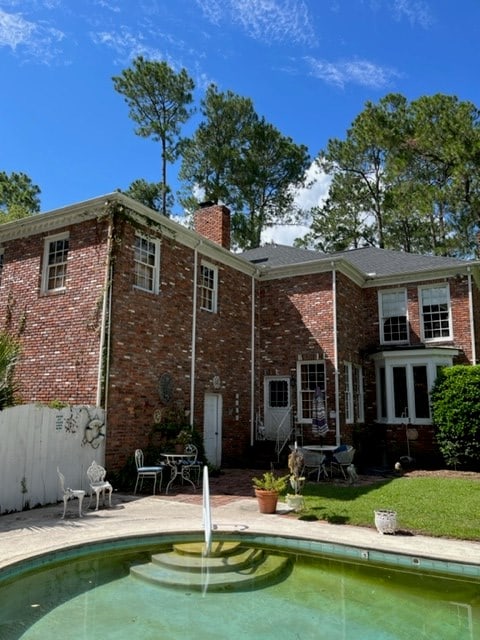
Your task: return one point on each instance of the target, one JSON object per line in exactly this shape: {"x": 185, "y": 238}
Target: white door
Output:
{"x": 212, "y": 428}
{"x": 277, "y": 409}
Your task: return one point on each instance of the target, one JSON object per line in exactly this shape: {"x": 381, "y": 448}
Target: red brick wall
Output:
{"x": 152, "y": 335}
{"x": 59, "y": 332}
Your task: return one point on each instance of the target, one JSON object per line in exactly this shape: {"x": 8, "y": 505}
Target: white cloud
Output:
{"x": 266, "y": 20}
{"x": 360, "y": 72}
{"x": 38, "y": 40}
{"x": 416, "y": 12}
{"x": 306, "y": 198}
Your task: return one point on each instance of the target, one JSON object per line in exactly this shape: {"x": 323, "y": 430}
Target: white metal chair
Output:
{"x": 98, "y": 485}
{"x": 191, "y": 465}
{"x": 147, "y": 472}
{"x": 342, "y": 458}
{"x": 314, "y": 461}
{"x": 70, "y": 493}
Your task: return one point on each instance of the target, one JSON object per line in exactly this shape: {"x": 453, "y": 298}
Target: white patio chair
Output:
{"x": 313, "y": 461}
{"x": 147, "y": 472}
{"x": 70, "y": 493}
{"x": 342, "y": 458}
{"x": 98, "y": 485}
{"x": 191, "y": 465}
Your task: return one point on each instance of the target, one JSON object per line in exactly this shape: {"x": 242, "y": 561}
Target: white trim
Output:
{"x": 156, "y": 266}
{"x": 348, "y": 373}
{"x": 430, "y": 358}
{"x": 359, "y": 394}
{"x": 300, "y": 364}
{"x": 429, "y": 287}
{"x": 46, "y": 267}
{"x": 472, "y": 319}
{"x": 381, "y": 317}
{"x": 214, "y": 289}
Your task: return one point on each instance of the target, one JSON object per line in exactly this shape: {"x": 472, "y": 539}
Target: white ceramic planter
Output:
{"x": 386, "y": 521}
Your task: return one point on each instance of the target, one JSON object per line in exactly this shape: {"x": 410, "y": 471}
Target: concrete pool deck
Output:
{"x": 37, "y": 531}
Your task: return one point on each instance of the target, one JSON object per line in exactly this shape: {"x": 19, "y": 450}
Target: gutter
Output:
{"x": 252, "y": 364}
{"x": 105, "y": 335}
{"x": 194, "y": 332}
{"x": 335, "y": 355}
{"x": 471, "y": 317}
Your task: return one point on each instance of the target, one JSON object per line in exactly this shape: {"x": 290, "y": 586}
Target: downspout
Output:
{"x": 194, "y": 333}
{"x": 335, "y": 355}
{"x": 252, "y": 366}
{"x": 472, "y": 323}
{"x": 105, "y": 332}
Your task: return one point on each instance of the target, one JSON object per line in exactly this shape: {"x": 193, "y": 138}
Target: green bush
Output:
{"x": 456, "y": 414}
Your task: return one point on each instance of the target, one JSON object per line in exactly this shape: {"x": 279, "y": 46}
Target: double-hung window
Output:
{"x": 393, "y": 317}
{"x": 55, "y": 257}
{"x": 310, "y": 375}
{"x": 348, "y": 374}
{"x": 435, "y": 312}
{"x": 147, "y": 263}
{"x": 208, "y": 287}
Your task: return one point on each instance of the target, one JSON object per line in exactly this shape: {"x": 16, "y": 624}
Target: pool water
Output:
{"x": 94, "y": 596}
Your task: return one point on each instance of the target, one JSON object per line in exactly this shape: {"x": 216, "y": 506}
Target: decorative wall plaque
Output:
{"x": 216, "y": 382}
{"x": 165, "y": 388}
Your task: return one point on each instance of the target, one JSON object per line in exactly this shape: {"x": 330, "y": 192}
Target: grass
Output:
{"x": 433, "y": 506}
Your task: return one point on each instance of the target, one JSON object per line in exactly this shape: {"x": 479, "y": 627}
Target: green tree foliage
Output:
{"x": 455, "y": 402}
{"x": 238, "y": 158}
{"x": 19, "y": 197}
{"x": 410, "y": 172}
{"x": 148, "y": 193}
{"x": 159, "y": 101}
{"x": 9, "y": 353}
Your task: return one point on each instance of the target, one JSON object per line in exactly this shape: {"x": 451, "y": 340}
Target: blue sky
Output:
{"x": 308, "y": 65}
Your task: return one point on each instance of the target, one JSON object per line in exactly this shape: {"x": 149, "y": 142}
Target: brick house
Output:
{"x": 122, "y": 308}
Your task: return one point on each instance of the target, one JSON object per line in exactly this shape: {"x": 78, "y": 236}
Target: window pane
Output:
{"x": 145, "y": 259}
{"x": 394, "y": 316}
{"x": 435, "y": 313}
{"x": 57, "y": 264}
{"x": 420, "y": 385}
{"x": 400, "y": 392}
{"x": 278, "y": 393}
{"x": 312, "y": 375}
{"x": 207, "y": 288}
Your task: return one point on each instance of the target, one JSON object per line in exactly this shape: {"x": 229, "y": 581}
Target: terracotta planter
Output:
{"x": 267, "y": 500}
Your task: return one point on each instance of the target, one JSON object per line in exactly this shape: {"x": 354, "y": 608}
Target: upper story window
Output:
{"x": 208, "y": 287}
{"x": 147, "y": 263}
{"x": 310, "y": 376}
{"x": 393, "y": 316}
{"x": 55, "y": 256}
{"x": 435, "y": 312}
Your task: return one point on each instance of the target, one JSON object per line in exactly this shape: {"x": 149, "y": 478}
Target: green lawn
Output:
{"x": 434, "y": 506}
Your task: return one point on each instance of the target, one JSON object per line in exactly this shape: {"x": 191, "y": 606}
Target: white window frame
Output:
{"x": 348, "y": 373}
{"x": 382, "y": 317}
{"x": 147, "y": 267}
{"x": 421, "y": 291}
{"x": 388, "y": 360}
{"x": 206, "y": 293}
{"x": 301, "y": 392}
{"x": 359, "y": 393}
{"x": 47, "y": 267}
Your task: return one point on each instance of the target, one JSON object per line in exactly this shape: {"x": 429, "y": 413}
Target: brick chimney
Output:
{"x": 213, "y": 222}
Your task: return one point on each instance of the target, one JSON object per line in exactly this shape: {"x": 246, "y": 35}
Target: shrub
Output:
{"x": 456, "y": 414}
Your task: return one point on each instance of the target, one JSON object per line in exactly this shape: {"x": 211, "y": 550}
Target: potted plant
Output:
{"x": 295, "y": 465}
{"x": 267, "y": 489}
{"x": 183, "y": 438}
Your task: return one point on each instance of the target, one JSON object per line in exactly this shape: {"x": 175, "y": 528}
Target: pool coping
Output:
{"x": 32, "y": 533}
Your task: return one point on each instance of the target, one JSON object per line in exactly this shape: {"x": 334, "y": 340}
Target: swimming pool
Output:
{"x": 316, "y": 590}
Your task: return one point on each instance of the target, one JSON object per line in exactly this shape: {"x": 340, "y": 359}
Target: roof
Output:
{"x": 370, "y": 261}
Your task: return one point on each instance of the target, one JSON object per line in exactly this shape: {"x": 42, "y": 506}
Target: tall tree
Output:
{"x": 148, "y": 193}
{"x": 238, "y": 158}
{"x": 417, "y": 166}
{"x": 19, "y": 197}
{"x": 208, "y": 157}
{"x": 158, "y": 99}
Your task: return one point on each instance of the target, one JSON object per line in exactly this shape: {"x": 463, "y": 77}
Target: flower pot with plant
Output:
{"x": 295, "y": 465}
{"x": 183, "y": 438}
{"x": 267, "y": 489}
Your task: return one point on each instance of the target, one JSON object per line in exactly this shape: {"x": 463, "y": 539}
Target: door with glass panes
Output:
{"x": 277, "y": 407}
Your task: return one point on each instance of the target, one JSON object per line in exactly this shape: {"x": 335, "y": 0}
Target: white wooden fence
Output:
{"x": 35, "y": 440}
